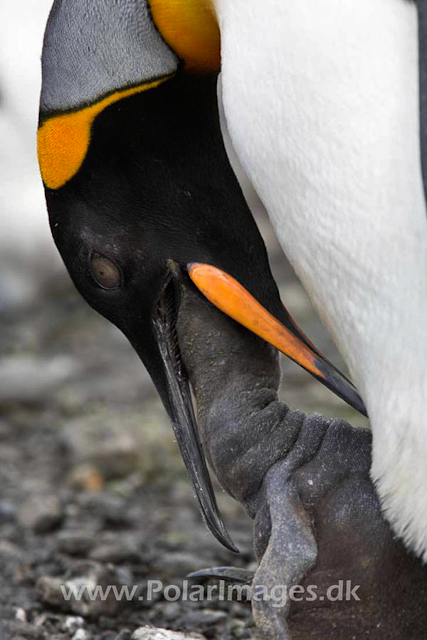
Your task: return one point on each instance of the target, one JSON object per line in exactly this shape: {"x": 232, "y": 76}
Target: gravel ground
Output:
{"x": 92, "y": 487}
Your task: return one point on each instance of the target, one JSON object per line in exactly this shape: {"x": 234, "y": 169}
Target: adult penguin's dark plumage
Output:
{"x": 141, "y": 195}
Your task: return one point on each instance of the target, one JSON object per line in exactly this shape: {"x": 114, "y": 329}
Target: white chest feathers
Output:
{"x": 321, "y": 100}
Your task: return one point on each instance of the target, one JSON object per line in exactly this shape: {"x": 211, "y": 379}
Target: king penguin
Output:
{"x": 321, "y": 101}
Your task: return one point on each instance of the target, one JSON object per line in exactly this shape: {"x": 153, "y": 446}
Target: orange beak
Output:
{"x": 228, "y": 295}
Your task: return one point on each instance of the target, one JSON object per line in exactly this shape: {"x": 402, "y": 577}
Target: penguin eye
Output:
{"x": 106, "y": 273}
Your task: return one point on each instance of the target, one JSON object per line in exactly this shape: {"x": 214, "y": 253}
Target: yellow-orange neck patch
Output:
{"x": 191, "y": 29}
{"x": 63, "y": 140}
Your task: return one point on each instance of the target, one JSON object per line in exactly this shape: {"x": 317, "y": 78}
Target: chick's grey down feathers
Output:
{"x": 304, "y": 480}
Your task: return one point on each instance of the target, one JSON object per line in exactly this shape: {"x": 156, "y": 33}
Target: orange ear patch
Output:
{"x": 63, "y": 140}
{"x": 191, "y": 29}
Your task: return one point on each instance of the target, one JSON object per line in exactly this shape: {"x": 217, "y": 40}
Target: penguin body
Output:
{"x": 324, "y": 116}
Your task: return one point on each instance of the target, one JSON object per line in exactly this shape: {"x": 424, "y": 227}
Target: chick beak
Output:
{"x": 228, "y": 295}
{"x": 175, "y": 391}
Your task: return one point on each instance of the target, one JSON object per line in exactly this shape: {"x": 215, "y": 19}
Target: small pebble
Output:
{"x": 113, "y": 452}
{"x": 204, "y": 618}
{"x": 171, "y": 611}
{"x": 117, "y": 553}
{"x": 86, "y": 477}
{"x": 152, "y": 633}
{"x": 7, "y": 511}
{"x": 75, "y": 542}
{"x": 48, "y": 590}
{"x": 82, "y": 634}
{"x": 111, "y": 508}
{"x": 41, "y": 514}
{"x": 177, "y": 563}
{"x": 28, "y": 631}
{"x": 48, "y": 618}
{"x": 239, "y": 629}
{"x": 107, "y": 635}
{"x": 21, "y": 615}
{"x": 73, "y": 623}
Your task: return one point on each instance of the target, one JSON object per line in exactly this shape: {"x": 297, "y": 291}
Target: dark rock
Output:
{"x": 107, "y": 635}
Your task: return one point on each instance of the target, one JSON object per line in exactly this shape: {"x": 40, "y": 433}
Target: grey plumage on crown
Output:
{"x": 95, "y": 47}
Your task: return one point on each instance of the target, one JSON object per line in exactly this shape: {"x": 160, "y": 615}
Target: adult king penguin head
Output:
{"x": 141, "y": 196}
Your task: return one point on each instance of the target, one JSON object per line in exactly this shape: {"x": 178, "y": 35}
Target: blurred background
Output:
{"x": 92, "y": 486}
